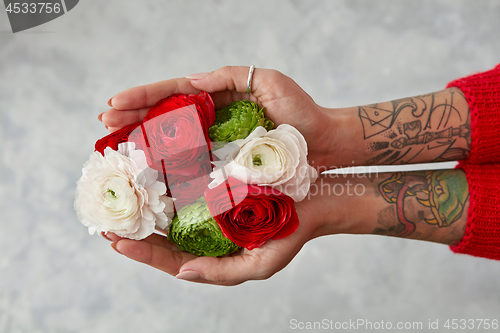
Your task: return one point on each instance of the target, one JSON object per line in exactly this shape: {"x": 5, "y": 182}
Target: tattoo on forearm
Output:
{"x": 435, "y": 197}
{"x": 427, "y": 128}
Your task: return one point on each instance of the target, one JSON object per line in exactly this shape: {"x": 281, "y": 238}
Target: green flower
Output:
{"x": 237, "y": 121}
{"x": 195, "y": 230}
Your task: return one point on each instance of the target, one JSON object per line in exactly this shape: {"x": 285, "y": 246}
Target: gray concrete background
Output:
{"x": 56, "y": 79}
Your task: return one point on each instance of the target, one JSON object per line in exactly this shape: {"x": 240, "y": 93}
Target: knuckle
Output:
{"x": 226, "y": 70}
{"x": 275, "y": 75}
{"x": 274, "y": 79}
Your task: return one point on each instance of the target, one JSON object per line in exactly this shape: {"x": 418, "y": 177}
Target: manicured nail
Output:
{"x": 103, "y": 234}
{"x": 113, "y": 245}
{"x": 110, "y": 102}
{"x": 100, "y": 116}
{"x": 196, "y": 76}
{"x": 188, "y": 275}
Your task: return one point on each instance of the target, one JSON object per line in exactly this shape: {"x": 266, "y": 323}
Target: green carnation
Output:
{"x": 237, "y": 121}
{"x": 195, "y": 230}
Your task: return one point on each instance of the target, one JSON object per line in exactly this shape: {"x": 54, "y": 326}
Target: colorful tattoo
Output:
{"x": 436, "y": 197}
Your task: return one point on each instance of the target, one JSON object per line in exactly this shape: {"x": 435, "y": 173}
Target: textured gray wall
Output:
{"x": 57, "y": 78}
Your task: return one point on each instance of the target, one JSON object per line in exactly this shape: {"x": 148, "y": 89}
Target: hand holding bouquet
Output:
{"x": 248, "y": 185}
{"x": 258, "y": 177}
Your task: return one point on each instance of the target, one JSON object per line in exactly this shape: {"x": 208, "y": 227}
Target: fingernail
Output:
{"x": 112, "y": 237}
{"x": 103, "y": 234}
{"x": 196, "y": 76}
{"x": 100, "y": 116}
{"x": 110, "y": 102}
{"x": 188, "y": 275}
{"x": 113, "y": 245}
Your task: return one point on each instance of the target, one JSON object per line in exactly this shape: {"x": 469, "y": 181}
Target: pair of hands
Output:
{"x": 285, "y": 103}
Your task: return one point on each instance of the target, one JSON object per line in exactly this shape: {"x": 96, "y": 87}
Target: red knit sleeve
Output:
{"x": 482, "y": 234}
{"x": 482, "y": 168}
{"x": 482, "y": 92}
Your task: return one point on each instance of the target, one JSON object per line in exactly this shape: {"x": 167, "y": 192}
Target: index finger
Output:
{"x": 232, "y": 78}
{"x": 147, "y": 95}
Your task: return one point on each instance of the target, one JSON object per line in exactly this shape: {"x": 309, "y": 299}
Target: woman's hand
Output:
{"x": 284, "y": 100}
{"x": 257, "y": 264}
{"x": 330, "y": 208}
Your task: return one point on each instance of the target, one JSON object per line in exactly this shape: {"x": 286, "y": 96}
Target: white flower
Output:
{"x": 119, "y": 193}
{"x": 277, "y": 158}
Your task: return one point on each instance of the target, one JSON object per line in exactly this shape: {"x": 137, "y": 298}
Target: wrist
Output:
{"x": 346, "y": 146}
{"x": 336, "y": 205}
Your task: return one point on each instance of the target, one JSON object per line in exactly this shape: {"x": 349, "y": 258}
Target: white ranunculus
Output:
{"x": 277, "y": 158}
{"x": 119, "y": 193}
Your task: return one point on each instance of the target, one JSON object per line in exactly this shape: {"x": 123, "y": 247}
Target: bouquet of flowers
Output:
{"x": 213, "y": 181}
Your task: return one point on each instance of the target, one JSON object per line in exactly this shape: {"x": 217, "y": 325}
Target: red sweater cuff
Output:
{"x": 482, "y": 235}
{"x": 483, "y": 95}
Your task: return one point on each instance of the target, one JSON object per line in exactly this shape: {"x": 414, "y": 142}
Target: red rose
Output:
{"x": 175, "y": 131}
{"x": 186, "y": 189}
{"x": 249, "y": 215}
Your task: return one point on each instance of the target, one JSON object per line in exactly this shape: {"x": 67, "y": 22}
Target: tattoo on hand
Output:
{"x": 433, "y": 197}
{"x": 427, "y": 128}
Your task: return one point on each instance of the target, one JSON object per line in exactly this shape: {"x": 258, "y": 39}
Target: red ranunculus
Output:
{"x": 186, "y": 189}
{"x": 175, "y": 131}
{"x": 114, "y": 139}
{"x": 203, "y": 102}
{"x": 249, "y": 215}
